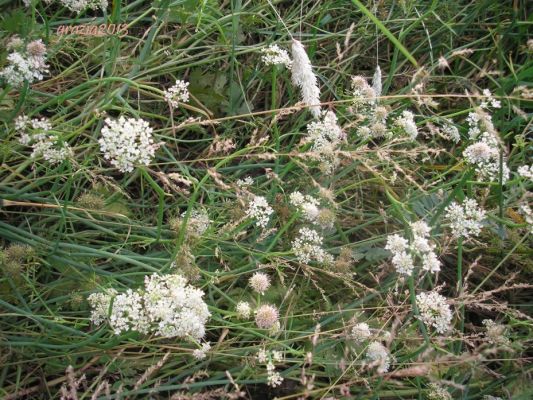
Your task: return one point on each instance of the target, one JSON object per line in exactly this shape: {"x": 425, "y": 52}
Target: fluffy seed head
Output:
{"x": 266, "y": 316}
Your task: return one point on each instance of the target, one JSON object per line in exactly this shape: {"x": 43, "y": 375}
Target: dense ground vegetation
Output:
{"x": 247, "y": 244}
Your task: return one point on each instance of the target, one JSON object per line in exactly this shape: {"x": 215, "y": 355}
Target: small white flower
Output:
{"x": 274, "y": 55}
{"x": 308, "y": 246}
{"x": 27, "y": 65}
{"x": 179, "y": 93}
{"x": 434, "y": 311}
{"x": 360, "y": 332}
{"x": 378, "y": 355}
{"x": 243, "y": 309}
{"x": 403, "y": 262}
{"x": 526, "y": 171}
{"x": 266, "y": 316}
{"x": 262, "y": 356}
{"x": 274, "y": 379}
{"x": 246, "y": 182}
{"x": 260, "y": 210}
{"x": 465, "y": 220}
{"x": 396, "y": 244}
{"x": 406, "y": 122}
{"x": 200, "y": 353}
{"x": 127, "y": 142}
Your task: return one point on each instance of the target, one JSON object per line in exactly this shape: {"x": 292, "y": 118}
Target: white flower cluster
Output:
{"x": 527, "y": 213}
{"x": 101, "y": 303}
{"x": 405, "y": 252}
{"x": 78, "y": 6}
{"x": 167, "y": 307}
{"x": 434, "y": 311}
{"x": 360, "y": 332}
{"x": 326, "y": 135}
{"x": 484, "y": 155}
{"x": 260, "y": 210}
{"x": 37, "y": 134}
{"x": 198, "y": 222}
{"x": 495, "y": 333}
{"x": 526, "y": 171}
{"x": 304, "y": 78}
{"x": 378, "y": 355}
{"x": 179, "y": 93}
{"x": 489, "y": 100}
{"x": 466, "y": 220}
{"x": 450, "y": 132}
{"x": 246, "y": 182}
{"x": 25, "y": 64}
{"x": 437, "y": 392}
{"x": 127, "y": 142}
{"x": 201, "y": 353}
{"x": 307, "y": 246}
{"x": 244, "y": 310}
{"x": 406, "y": 122}
{"x": 268, "y": 358}
{"x": 274, "y": 55}
{"x": 364, "y": 95}
{"x": 307, "y": 204}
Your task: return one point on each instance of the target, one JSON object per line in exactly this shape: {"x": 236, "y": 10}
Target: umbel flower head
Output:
{"x": 434, "y": 311}
{"x": 25, "y": 64}
{"x": 179, "y": 93}
{"x": 38, "y": 134}
{"x": 274, "y": 55}
{"x": 466, "y": 220}
{"x": 127, "y": 142}
{"x": 167, "y": 307}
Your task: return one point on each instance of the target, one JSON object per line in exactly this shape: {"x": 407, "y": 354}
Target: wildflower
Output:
{"x": 274, "y": 55}
{"x": 179, "y": 93}
{"x": 434, "y": 311}
{"x": 262, "y": 356}
{"x": 430, "y": 262}
{"x": 396, "y": 243}
{"x": 437, "y": 392}
{"x": 78, "y": 6}
{"x": 307, "y": 204}
{"x": 167, "y": 307}
{"x": 360, "y": 332}
{"x": 243, "y": 310}
{"x": 326, "y": 135}
{"x": 200, "y": 353}
{"x": 403, "y": 262}
{"x": 127, "y": 142}
{"x": 495, "y": 333}
{"x": 198, "y": 222}
{"x": 308, "y": 246}
{"x": 260, "y": 282}
{"x": 451, "y": 132}
{"x": 443, "y": 63}
{"x": 259, "y": 210}
{"x": 274, "y": 379}
{"x": 128, "y": 313}
{"x": 526, "y": 171}
{"x": 100, "y": 303}
{"x": 37, "y": 134}
{"x": 378, "y": 355}
{"x": 420, "y": 228}
{"x": 175, "y": 309}
{"x": 277, "y": 355}
{"x": 489, "y": 100}
{"x": 246, "y": 182}
{"x": 406, "y": 122}
{"x": 466, "y": 219}
{"x": 304, "y": 78}
{"x": 266, "y": 316}
{"x": 26, "y": 65}
{"x": 363, "y": 95}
